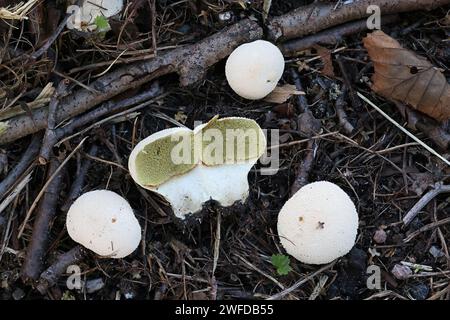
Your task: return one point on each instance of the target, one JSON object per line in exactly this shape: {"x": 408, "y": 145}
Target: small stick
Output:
{"x": 49, "y": 137}
{"x": 328, "y": 37}
{"x": 36, "y": 250}
{"x": 409, "y": 134}
{"x": 50, "y": 276}
{"x": 46, "y": 185}
{"x": 342, "y": 116}
{"x": 78, "y": 184}
{"x": 301, "y": 282}
{"x": 108, "y": 108}
{"x": 51, "y": 39}
{"x": 321, "y": 15}
{"x": 426, "y": 228}
{"x": 430, "y": 195}
{"x": 216, "y": 257}
{"x": 27, "y": 159}
{"x": 304, "y": 168}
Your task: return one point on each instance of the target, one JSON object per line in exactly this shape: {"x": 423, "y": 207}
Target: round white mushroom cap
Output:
{"x": 318, "y": 224}
{"x": 104, "y": 222}
{"x": 254, "y": 69}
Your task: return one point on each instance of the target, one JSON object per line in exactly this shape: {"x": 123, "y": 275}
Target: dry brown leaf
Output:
{"x": 281, "y": 94}
{"x": 403, "y": 76}
{"x": 325, "y": 55}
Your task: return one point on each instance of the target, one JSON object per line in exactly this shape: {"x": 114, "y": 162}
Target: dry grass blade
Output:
{"x": 18, "y": 12}
{"x": 409, "y": 134}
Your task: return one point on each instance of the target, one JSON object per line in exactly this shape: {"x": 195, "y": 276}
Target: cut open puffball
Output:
{"x": 318, "y": 224}
{"x": 254, "y": 69}
{"x": 219, "y": 156}
{"x": 104, "y": 222}
{"x": 91, "y": 9}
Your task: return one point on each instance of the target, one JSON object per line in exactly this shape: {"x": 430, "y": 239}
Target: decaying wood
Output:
{"x": 190, "y": 62}
{"x": 34, "y": 260}
{"x": 403, "y": 76}
{"x": 328, "y": 37}
{"x": 318, "y": 16}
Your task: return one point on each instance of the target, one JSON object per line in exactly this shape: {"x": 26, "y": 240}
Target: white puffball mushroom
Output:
{"x": 318, "y": 224}
{"x": 104, "y": 222}
{"x": 187, "y": 189}
{"x": 253, "y": 69}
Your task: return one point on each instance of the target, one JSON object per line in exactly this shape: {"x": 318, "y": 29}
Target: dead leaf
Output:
{"x": 325, "y": 55}
{"x": 403, "y": 76}
{"x": 281, "y": 94}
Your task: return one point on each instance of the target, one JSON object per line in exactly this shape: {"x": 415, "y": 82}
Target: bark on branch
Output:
{"x": 319, "y": 16}
{"x": 190, "y": 62}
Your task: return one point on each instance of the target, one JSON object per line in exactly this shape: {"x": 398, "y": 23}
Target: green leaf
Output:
{"x": 282, "y": 263}
{"x": 101, "y": 22}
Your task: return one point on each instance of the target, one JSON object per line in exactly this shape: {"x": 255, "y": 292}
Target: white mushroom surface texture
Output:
{"x": 318, "y": 224}
{"x": 254, "y": 69}
{"x": 219, "y": 154}
{"x": 104, "y": 222}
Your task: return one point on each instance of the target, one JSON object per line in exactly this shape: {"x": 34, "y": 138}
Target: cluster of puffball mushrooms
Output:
{"x": 316, "y": 226}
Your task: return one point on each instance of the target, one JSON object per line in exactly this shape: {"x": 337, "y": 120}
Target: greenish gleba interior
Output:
{"x": 155, "y": 164}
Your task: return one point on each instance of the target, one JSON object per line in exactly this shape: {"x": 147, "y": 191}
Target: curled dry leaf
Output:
{"x": 403, "y": 76}
{"x": 282, "y": 93}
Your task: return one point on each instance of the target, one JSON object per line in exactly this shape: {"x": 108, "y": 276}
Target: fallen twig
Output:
{"x": 46, "y": 185}
{"x": 27, "y": 159}
{"x": 437, "y": 190}
{"x": 346, "y": 126}
{"x": 426, "y": 228}
{"x": 190, "y": 62}
{"x": 50, "y": 276}
{"x": 318, "y": 16}
{"x": 309, "y": 125}
{"x": 78, "y": 184}
{"x": 33, "y": 264}
{"x": 328, "y": 37}
{"x": 49, "y": 136}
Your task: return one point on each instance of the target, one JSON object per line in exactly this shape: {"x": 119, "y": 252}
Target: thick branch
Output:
{"x": 328, "y": 37}
{"x": 190, "y": 62}
{"x": 319, "y": 16}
